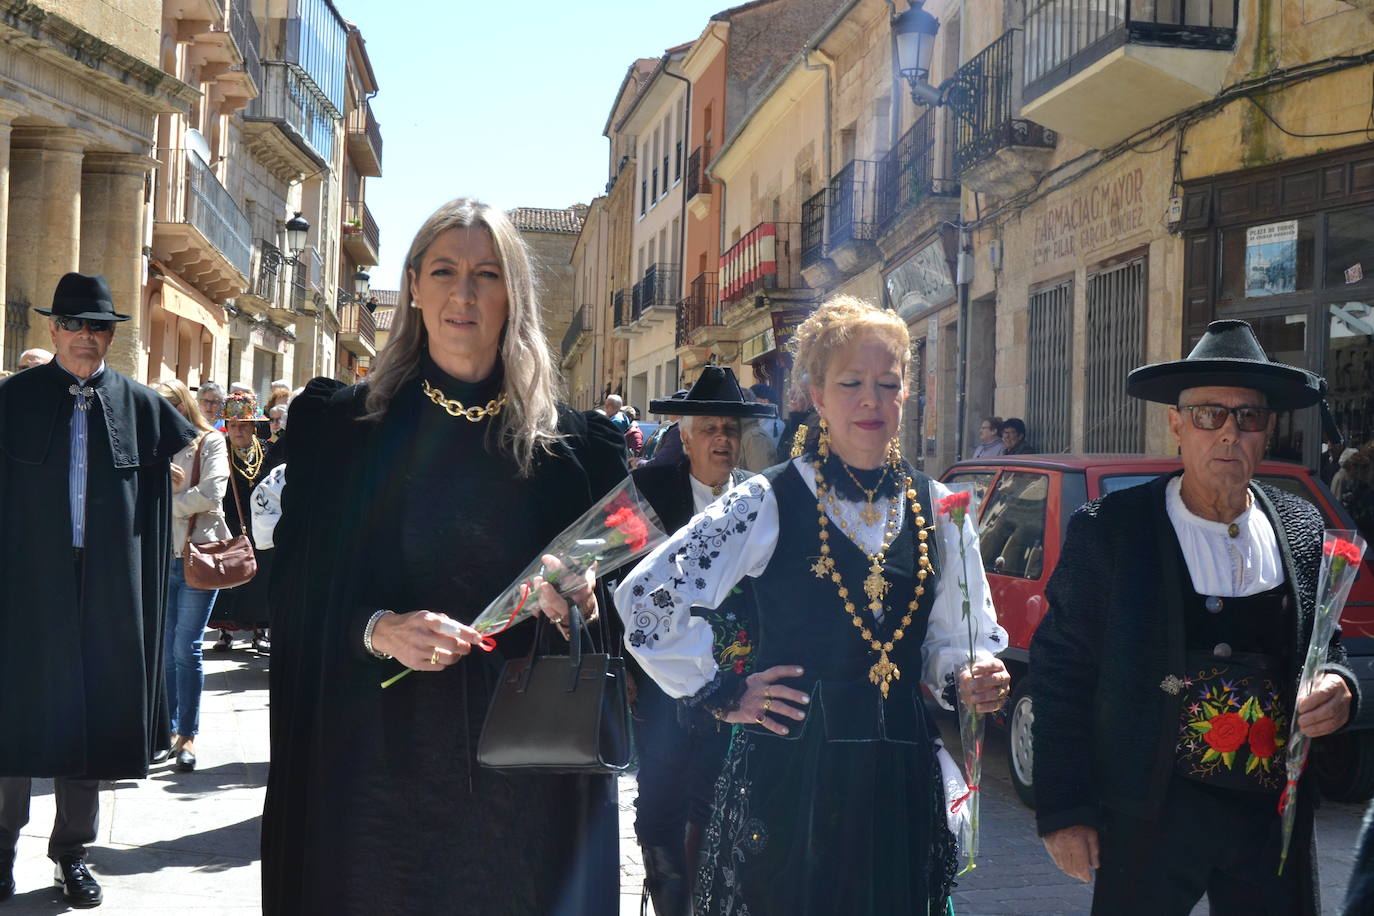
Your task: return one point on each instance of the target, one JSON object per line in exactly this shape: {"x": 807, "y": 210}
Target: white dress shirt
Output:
{"x": 1221, "y": 565}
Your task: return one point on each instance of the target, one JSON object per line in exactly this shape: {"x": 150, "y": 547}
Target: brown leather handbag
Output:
{"x": 218, "y": 564}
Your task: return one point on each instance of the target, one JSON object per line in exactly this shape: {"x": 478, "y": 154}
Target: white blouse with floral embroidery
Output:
{"x": 735, "y": 537}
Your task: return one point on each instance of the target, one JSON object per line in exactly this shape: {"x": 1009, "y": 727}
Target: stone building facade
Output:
{"x": 166, "y": 143}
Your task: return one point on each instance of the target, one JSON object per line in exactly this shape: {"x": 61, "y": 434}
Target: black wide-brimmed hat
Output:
{"x": 80, "y": 296}
{"x": 1228, "y": 355}
{"x": 715, "y": 394}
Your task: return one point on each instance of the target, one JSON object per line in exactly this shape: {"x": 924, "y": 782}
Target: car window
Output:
{"x": 1114, "y": 482}
{"x": 979, "y": 479}
{"x": 1013, "y": 530}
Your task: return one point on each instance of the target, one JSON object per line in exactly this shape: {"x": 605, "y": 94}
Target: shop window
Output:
{"x": 1049, "y": 371}
{"x": 1013, "y": 531}
{"x": 1350, "y": 369}
{"x": 1349, "y": 247}
{"x": 1270, "y": 259}
{"x": 1284, "y": 338}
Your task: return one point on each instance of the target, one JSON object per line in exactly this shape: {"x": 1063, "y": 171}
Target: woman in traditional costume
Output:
{"x": 411, "y": 501}
{"x": 830, "y": 800}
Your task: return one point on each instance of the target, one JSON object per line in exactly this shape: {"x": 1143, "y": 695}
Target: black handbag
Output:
{"x": 559, "y": 713}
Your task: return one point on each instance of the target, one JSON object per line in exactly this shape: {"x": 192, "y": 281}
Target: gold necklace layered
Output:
{"x": 456, "y": 408}
{"x": 251, "y": 463}
{"x": 876, "y": 586}
{"x": 869, "y": 513}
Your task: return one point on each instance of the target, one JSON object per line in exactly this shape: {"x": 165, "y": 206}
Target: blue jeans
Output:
{"x": 188, "y": 611}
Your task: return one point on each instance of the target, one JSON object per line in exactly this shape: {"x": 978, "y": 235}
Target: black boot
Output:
{"x": 665, "y": 874}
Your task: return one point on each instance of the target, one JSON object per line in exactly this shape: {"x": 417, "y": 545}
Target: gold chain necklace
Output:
{"x": 251, "y": 463}
{"x": 869, "y": 513}
{"x": 884, "y": 670}
{"x": 458, "y": 409}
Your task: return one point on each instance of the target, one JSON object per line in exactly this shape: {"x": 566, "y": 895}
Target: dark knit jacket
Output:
{"x": 1105, "y": 730}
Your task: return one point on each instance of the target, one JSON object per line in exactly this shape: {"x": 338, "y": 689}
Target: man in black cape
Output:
{"x": 678, "y": 768}
{"x": 85, "y": 497}
{"x": 1166, "y": 669}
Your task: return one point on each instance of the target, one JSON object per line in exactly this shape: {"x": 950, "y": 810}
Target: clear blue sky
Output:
{"x": 504, "y": 101}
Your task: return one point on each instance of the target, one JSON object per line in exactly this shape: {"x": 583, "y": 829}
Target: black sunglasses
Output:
{"x": 1213, "y": 416}
{"x": 97, "y": 325}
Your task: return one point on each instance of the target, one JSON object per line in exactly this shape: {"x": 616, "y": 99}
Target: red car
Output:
{"x": 1024, "y": 507}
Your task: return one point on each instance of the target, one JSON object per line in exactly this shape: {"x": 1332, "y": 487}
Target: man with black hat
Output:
{"x": 677, "y": 767}
{"x": 85, "y": 510}
{"x": 1166, "y": 669}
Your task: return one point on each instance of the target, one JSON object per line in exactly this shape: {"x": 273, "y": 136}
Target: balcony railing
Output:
{"x": 985, "y": 106}
{"x": 659, "y": 288}
{"x": 766, "y": 257}
{"x": 362, "y": 125}
{"x": 243, "y": 28}
{"x": 576, "y": 329}
{"x": 195, "y": 196}
{"x": 813, "y": 227}
{"x": 1064, "y": 37}
{"x": 358, "y": 218}
{"x": 292, "y": 100}
{"x": 264, "y": 283}
{"x": 907, "y": 175}
{"x": 621, "y": 315}
{"x": 700, "y": 307}
{"x": 356, "y": 320}
{"x": 854, "y": 203}
{"x": 697, "y": 182}
{"x": 306, "y": 279}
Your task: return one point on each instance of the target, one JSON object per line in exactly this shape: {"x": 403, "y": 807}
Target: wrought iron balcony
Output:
{"x": 264, "y": 287}
{"x": 290, "y": 102}
{"x": 307, "y": 281}
{"x": 620, "y": 313}
{"x": 911, "y": 172}
{"x": 700, "y": 308}
{"x": 198, "y": 228}
{"x": 365, "y": 141}
{"x": 578, "y": 332}
{"x": 767, "y": 257}
{"x": 243, "y": 28}
{"x": 697, "y": 182}
{"x": 813, "y": 228}
{"x": 853, "y": 213}
{"x": 357, "y": 329}
{"x": 361, "y": 237}
{"x": 1081, "y": 81}
{"x": 987, "y": 116}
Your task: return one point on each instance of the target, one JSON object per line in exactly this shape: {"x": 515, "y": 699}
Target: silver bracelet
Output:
{"x": 367, "y": 634}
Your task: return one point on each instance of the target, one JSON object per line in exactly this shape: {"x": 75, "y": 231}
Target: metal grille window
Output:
{"x": 16, "y": 331}
{"x": 1050, "y": 370}
{"x": 1115, "y": 341}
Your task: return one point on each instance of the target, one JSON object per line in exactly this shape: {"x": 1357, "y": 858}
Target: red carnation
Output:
{"x": 1228, "y": 732}
{"x": 1262, "y": 734}
{"x": 953, "y": 501}
{"x": 1345, "y": 550}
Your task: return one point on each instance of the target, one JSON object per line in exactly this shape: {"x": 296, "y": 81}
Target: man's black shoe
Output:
{"x": 79, "y": 887}
{"x": 6, "y": 883}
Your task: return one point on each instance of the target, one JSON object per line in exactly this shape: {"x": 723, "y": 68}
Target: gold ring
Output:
{"x": 434, "y": 658}
{"x": 767, "y": 695}
{"x": 759, "y": 718}
{"x": 767, "y": 702}
{"x": 1004, "y": 691}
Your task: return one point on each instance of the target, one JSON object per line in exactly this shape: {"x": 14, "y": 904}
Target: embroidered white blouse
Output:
{"x": 1221, "y": 565}
{"x": 735, "y": 537}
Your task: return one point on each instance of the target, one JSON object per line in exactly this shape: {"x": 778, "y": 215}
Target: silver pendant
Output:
{"x": 1213, "y": 604}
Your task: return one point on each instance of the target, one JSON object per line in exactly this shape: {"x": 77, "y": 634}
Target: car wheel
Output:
{"x": 1344, "y": 765}
{"x": 1020, "y": 753}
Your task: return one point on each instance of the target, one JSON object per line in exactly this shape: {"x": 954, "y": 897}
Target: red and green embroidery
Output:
{"x": 1231, "y": 722}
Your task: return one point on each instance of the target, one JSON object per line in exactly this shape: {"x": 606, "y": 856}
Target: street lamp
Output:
{"x": 362, "y": 286}
{"x": 915, "y": 32}
{"x": 296, "y": 231}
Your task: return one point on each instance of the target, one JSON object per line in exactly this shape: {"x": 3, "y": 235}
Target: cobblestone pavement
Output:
{"x": 188, "y": 842}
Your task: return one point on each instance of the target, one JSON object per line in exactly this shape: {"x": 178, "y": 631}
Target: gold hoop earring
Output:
{"x": 823, "y": 441}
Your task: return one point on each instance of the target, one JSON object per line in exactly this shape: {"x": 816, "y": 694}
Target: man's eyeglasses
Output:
{"x": 97, "y": 325}
{"x": 1213, "y": 416}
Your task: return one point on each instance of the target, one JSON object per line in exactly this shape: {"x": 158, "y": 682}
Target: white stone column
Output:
{"x": 8, "y": 112}
{"x": 112, "y": 222}
{"x": 45, "y": 200}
